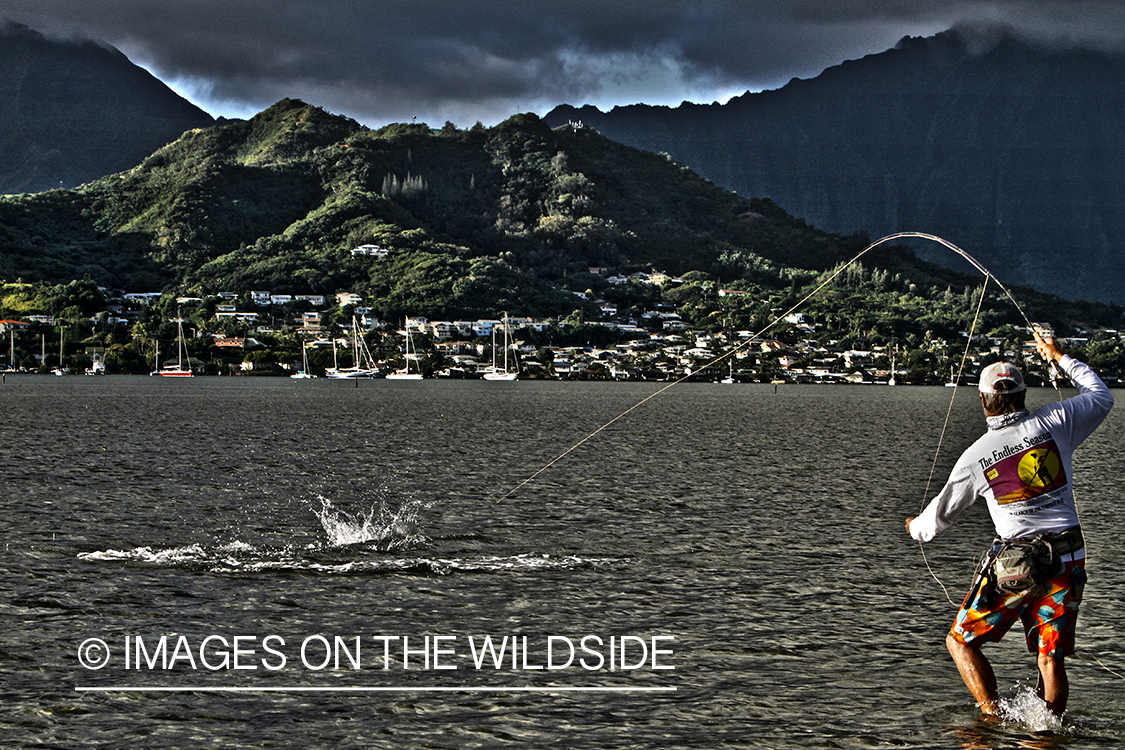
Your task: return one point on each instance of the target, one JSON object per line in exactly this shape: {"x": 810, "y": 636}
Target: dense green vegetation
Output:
{"x": 278, "y": 202}
{"x": 512, "y": 218}
{"x": 858, "y": 310}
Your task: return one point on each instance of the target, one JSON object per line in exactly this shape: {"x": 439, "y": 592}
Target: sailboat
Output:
{"x": 494, "y": 373}
{"x": 891, "y": 380}
{"x": 181, "y": 370}
{"x": 729, "y": 379}
{"x": 303, "y": 373}
{"x": 405, "y": 373}
{"x": 60, "y": 370}
{"x": 357, "y": 370}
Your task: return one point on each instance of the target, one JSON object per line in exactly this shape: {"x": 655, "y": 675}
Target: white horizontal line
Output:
{"x": 344, "y": 689}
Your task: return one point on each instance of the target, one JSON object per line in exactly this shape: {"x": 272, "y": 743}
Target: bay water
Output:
{"x": 246, "y": 563}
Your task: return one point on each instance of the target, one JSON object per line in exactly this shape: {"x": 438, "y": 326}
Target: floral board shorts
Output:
{"x": 1048, "y": 612}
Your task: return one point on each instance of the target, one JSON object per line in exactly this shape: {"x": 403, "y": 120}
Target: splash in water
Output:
{"x": 1029, "y": 711}
{"x": 385, "y": 526}
{"x": 388, "y": 526}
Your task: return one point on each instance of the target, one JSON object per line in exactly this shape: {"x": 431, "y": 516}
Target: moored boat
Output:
{"x": 182, "y": 369}
{"x": 405, "y": 373}
{"x": 494, "y": 372}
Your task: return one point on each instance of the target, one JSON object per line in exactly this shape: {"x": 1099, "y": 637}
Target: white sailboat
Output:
{"x": 361, "y": 360}
{"x": 405, "y": 373}
{"x": 181, "y": 370}
{"x": 495, "y": 373}
{"x": 891, "y": 380}
{"x": 60, "y": 370}
{"x": 729, "y": 379}
{"x": 303, "y": 373}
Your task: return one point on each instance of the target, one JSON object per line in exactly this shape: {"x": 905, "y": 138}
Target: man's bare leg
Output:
{"x": 1053, "y": 687}
{"x": 977, "y": 673}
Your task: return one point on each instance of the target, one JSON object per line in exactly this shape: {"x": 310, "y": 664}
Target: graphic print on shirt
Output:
{"x": 1027, "y": 474}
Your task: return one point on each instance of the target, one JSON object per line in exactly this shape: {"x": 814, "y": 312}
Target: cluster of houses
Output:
{"x": 657, "y": 345}
{"x": 664, "y": 349}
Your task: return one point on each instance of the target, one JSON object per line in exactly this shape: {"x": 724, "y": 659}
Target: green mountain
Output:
{"x": 472, "y": 222}
{"x": 278, "y": 202}
{"x": 73, "y": 111}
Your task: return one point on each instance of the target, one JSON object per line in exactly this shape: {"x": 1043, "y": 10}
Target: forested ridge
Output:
{"x": 517, "y": 218}
{"x": 1011, "y": 148}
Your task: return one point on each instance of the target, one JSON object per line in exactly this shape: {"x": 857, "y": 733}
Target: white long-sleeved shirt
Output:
{"x": 1023, "y": 469}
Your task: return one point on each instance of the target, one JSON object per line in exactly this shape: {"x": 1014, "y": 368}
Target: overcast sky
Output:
{"x": 382, "y": 61}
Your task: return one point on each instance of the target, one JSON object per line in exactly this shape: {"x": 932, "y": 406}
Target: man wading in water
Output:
{"x": 1035, "y": 570}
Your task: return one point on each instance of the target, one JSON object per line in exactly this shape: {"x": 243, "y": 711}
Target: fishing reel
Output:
{"x": 1054, "y": 373}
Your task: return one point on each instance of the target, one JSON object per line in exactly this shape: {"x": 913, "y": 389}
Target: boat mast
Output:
{"x": 505, "y": 343}
{"x": 355, "y": 343}
{"x": 180, "y": 344}
{"x": 407, "y": 326}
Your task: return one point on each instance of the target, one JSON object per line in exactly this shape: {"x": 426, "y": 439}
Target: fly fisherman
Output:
{"x": 1035, "y": 570}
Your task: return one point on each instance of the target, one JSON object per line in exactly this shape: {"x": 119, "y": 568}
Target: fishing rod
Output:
{"x": 1052, "y": 366}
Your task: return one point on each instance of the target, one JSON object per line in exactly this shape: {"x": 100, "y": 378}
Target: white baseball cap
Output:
{"x": 998, "y": 371}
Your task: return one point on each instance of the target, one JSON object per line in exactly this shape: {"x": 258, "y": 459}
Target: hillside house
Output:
{"x": 444, "y": 330}
{"x": 310, "y": 323}
{"x": 312, "y": 299}
{"x": 373, "y": 251}
{"x": 245, "y": 317}
{"x": 142, "y": 298}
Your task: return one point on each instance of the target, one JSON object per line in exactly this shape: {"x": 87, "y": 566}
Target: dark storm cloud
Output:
{"x": 387, "y": 60}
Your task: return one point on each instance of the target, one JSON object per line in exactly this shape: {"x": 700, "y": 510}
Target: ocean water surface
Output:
{"x": 246, "y": 563}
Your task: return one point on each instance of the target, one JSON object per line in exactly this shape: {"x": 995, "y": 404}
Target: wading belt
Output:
{"x": 1062, "y": 542}
{"x": 1016, "y": 565}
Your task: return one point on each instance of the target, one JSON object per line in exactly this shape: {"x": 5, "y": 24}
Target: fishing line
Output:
{"x": 945, "y": 426}
{"x": 1054, "y": 372}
